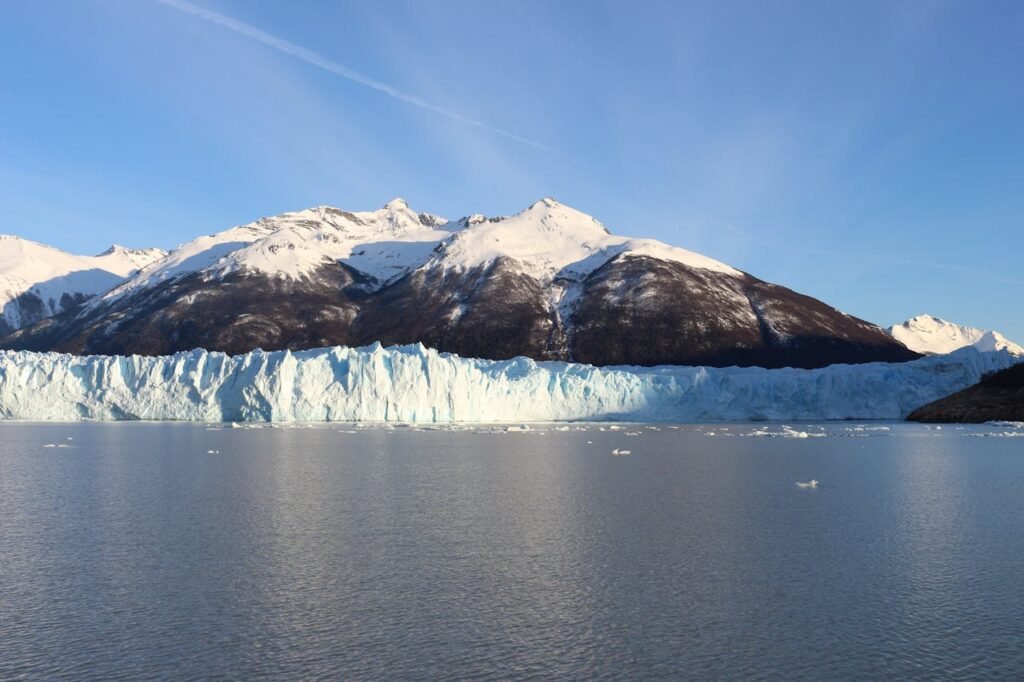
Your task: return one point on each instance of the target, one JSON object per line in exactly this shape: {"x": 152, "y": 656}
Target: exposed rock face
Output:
{"x": 548, "y": 283}
{"x": 642, "y": 311}
{"x": 997, "y": 397}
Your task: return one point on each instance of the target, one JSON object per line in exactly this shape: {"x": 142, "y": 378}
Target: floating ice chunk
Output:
{"x": 786, "y": 432}
{"x": 617, "y": 452}
{"x": 813, "y": 483}
{"x": 997, "y": 434}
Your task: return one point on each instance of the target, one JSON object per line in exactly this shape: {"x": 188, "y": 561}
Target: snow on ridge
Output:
{"x": 547, "y": 240}
{"x": 550, "y": 239}
{"x": 296, "y": 243}
{"x": 29, "y": 267}
{"x": 383, "y": 244}
{"x": 932, "y": 335}
{"x": 414, "y": 384}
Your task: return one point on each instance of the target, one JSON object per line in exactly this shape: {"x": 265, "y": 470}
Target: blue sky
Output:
{"x": 868, "y": 154}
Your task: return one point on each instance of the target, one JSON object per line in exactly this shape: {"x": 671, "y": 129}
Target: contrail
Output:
{"x": 337, "y": 69}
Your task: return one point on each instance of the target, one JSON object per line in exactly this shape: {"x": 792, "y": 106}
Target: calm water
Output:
{"x": 394, "y": 554}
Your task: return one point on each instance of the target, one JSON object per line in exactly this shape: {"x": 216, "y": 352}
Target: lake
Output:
{"x": 183, "y": 551}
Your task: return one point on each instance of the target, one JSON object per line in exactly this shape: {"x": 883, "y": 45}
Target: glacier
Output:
{"x": 416, "y": 384}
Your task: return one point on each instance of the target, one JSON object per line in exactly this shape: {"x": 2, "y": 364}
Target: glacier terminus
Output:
{"x": 415, "y": 384}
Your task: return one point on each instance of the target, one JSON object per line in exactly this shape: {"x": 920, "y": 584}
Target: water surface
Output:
{"x": 336, "y": 552}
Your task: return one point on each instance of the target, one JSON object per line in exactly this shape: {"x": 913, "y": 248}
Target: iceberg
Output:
{"x": 416, "y": 384}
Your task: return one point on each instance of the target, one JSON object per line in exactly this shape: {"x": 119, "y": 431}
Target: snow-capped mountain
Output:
{"x": 37, "y": 281}
{"x": 549, "y": 283}
{"x": 934, "y": 336}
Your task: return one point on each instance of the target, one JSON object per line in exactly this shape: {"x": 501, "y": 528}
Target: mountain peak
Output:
{"x": 933, "y": 335}
{"x": 551, "y": 215}
{"x": 111, "y": 250}
{"x": 545, "y": 202}
{"x": 397, "y": 204}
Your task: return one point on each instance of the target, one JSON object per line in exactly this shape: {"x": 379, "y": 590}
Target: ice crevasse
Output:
{"x": 416, "y": 384}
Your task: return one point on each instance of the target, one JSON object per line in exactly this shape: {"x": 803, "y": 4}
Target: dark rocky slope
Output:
{"x": 632, "y": 310}
{"x": 997, "y": 397}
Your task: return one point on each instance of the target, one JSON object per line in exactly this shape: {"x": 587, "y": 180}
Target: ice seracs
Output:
{"x": 932, "y": 335}
{"x": 415, "y": 384}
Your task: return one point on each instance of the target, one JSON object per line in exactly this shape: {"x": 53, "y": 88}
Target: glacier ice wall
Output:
{"x": 415, "y": 384}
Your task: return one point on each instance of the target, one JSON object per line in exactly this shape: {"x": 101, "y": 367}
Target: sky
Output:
{"x": 870, "y": 154}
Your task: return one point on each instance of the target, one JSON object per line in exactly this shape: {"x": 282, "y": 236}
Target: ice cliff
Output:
{"x": 415, "y": 384}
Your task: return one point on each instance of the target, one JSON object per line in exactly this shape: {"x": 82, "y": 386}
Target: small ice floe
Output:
{"x": 786, "y": 432}
{"x": 50, "y": 445}
{"x": 1006, "y": 424}
{"x": 517, "y": 429}
{"x": 618, "y": 453}
{"x": 69, "y": 438}
{"x": 813, "y": 483}
{"x": 213, "y": 452}
{"x": 997, "y": 434}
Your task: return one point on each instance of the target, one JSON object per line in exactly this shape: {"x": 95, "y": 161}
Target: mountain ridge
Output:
{"x": 38, "y": 281}
{"x": 549, "y": 282}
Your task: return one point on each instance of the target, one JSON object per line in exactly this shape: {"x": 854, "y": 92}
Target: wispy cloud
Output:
{"x": 322, "y": 62}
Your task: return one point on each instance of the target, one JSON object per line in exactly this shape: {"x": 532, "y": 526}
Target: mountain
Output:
{"x": 999, "y": 396}
{"x": 931, "y": 335}
{"x": 37, "y": 281}
{"x": 549, "y": 283}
